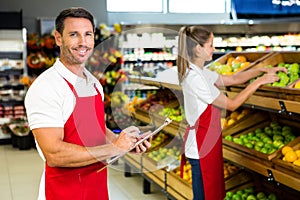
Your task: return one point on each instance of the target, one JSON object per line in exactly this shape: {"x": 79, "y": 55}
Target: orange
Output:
{"x": 245, "y": 64}
{"x": 229, "y": 61}
{"x": 291, "y": 156}
{"x": 227, "y": 73}
{"x": 234, "y": 115}
{"x": 286, "y": 149}
{"x": 241, "y": 58}
{"x": 235, "y": 62}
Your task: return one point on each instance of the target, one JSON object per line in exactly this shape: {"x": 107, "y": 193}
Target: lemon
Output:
{"x": 297, "y": 162}
{"x": 291, "y": 156}
{"x": 298, "y": 153}
{"x": 231, "y": 121}
{"x": 234, "y": 115}
{"x": 297, "y": 85}
{"x": 286, "y": 149}
{"x": 240, "y": 116}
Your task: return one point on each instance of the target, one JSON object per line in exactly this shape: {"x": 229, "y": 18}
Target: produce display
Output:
{"x": 162, "y": 97}
{"x": 163, "y": 152}
{"x": 176, "y": 114}
{"x": 285, "y": 79}
{"x": 118, "y": 99}
{"x": 158, "y": 139}
{"x": 265, "y": 139}
{"x": 230, "y": 169}
{"x": 249, "y": 193}
{"x": 20, "y": 129}
{"x": 291, "y": 155}
{"x": 233, "y": 117}
{"x": 296, "y": 85}
{"x": 232, "y": 65}
{"x": 130, "y": 106}
{"x": 187, "y": 172}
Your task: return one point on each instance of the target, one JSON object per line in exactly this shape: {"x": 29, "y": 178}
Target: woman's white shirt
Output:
{"x": 199, "y": 90}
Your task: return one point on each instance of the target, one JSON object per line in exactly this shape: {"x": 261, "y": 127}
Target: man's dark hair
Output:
{"x": 76, "y": 12}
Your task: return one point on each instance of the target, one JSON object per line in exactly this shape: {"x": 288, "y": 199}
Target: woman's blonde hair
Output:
{"x": 189, "y": 37}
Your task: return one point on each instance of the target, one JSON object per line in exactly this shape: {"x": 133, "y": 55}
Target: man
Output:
{"x": 66, "y": 115}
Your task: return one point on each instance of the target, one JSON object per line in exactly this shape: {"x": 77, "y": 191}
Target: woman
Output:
{"x": 202, "y": 101}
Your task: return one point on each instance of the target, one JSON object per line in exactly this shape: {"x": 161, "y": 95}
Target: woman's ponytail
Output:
{"x": 183, "y": 57}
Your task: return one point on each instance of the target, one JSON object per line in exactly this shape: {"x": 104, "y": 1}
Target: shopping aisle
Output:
{"x": 20, "y": 175}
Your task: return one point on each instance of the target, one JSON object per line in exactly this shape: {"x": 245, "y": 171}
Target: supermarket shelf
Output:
{"x": 273, "y": 101}
{"x": 259, "y": 166}
{"x": 276, "y": 103}
{"x": 153, "y": 82}
{"x": 172, "y": 129}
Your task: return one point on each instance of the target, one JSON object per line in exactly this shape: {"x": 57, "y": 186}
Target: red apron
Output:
{"x": 85, "y": 127}
{"x": 209, "y": 142}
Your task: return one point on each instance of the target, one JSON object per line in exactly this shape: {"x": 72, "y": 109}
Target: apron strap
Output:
{"x": 183, "y": 157}
{"x": 71, "y": 87}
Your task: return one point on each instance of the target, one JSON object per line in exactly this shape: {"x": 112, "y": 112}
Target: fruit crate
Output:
{"x": 251, "y": 118}
{"x": 252, "y": 57}
{"x": 178, "y": 187}
{"x": 182, "y": 189}
{"x": 236, "y": 177}
{"x": 254, "y": 154}
{"x": 272, "y": 91}
{"x": 287, "y": 167}
{"x": 134, "y": 159}
{"x": 294, "y": 93}
{"x": 259, "y": 188}
{"x": 149, "y": 168}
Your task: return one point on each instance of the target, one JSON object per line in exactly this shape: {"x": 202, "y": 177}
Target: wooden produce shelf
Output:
{"x": 266, "y": 102}
{"x": 286, "y": 179}
{"x": 178, "y": 187}
{"x": 246, "y": 160}
{"x": 134, "y": 160}
{"x": 260, "y": 167}
{"x": 149, "y": 168}
{"x": 174, "y": 130}
{"x": 153, "y": 82}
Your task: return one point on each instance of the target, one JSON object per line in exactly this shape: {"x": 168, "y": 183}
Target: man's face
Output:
{"x": 76, "y": 42}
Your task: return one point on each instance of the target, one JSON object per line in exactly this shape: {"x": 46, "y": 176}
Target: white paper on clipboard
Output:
{"x": 143, "y": 137}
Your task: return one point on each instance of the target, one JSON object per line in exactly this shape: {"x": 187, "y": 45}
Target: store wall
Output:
{"x": 33, "y": 10}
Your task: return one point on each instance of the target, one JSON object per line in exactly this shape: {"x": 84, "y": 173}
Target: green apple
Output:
{"x": 272, "y": 150}
{"x": 229, "y": 194}
{"x": 260, "y": 195}
{"x": 251, "y": 197}
{"x": 277, "y": 143}
{"x": 249, "y": 145}
{"x": 236, "y": 197}
{"x": 257, "y": 148}
{"x": 272, "y": 196}
{"x": 264, "y": 150}
{"x": 260, "y": 144}
{"x": 228, "y": 137}
{"x": 249, "y": 190}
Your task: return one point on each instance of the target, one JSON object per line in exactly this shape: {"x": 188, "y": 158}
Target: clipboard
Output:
{"x": 143, "y": 137}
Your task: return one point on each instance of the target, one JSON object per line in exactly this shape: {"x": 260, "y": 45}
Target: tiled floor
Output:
{"x": 20, "y": 172}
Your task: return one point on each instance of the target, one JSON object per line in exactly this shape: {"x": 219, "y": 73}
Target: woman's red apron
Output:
{"x": 209, "y": 142}
{"x": 85, "y": 127}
